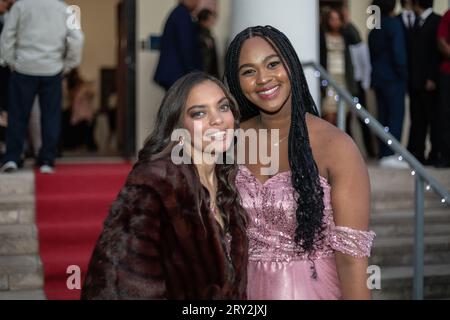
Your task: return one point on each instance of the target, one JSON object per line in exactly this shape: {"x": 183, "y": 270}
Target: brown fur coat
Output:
{"x": 153, "y": 245}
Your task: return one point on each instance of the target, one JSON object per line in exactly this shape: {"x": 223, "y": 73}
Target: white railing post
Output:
{"x": 341, "y": 114}
{"x": 419, "y": 240}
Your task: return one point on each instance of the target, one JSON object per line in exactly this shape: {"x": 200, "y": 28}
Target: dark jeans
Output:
{"x": 22, "y": 91}
{"x": 424, "y": 111}
{"x": 443, "y": 131}
{"x": 391, "y": 111}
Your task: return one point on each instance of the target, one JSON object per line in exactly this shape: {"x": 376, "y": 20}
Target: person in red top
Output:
{"x": 444, "y": 99}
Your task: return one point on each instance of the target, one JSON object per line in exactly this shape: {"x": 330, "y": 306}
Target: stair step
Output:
{"x": 393, "y": 189}
{"x": 442, "y": 215}
{"x": 14, "y": 201}
{"x": 62, "y": 209}
{"x": 26, "y": 281}
{"x": 23, "y": 214}
{"x": 18, "y": 183}
{"x": 400, "y": 251}
{"x": 390, "y": 180}
{"x": 23, "y": 295}
{"x": 397, "y": 282}
{"x": 408, "y": 229}
{"x": 18, "y": 239}
{"x": 405, "y": 202}
{"x": 23, "y": 264}
{"x": 62, "y": 236}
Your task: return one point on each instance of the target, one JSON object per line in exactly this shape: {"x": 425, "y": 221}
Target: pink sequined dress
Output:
{"x": 277, "y": 270}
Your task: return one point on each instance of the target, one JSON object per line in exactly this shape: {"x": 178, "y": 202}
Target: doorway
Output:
{"x": 108, "y": 70}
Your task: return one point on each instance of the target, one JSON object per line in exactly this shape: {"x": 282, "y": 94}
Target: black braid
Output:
{"x": 305, "y": 174}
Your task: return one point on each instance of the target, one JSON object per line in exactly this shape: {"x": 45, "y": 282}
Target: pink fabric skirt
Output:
{"x": 293, "y": 280}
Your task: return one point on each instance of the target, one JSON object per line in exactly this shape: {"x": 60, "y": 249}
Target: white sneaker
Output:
{"x": 46, "y": 169}
{"x": 9, "y": 167}
{"x": 393, "y": 162}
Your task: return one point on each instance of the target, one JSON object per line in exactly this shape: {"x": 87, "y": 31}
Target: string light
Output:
{"x": 358, "y": 106}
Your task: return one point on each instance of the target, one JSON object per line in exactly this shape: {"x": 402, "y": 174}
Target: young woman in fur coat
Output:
{"x": 177, "y": 230}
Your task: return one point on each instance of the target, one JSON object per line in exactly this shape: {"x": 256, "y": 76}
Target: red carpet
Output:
{"x": 71, "y": 206}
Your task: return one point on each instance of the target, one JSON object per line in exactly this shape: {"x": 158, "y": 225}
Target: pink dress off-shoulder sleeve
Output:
{"x": 277, "y": 268}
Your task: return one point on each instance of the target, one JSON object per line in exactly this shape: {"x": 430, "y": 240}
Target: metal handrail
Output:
{"x": 418, "y": 170}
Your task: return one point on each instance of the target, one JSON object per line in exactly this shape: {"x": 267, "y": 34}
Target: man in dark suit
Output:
{"x": 425, "y": 61}
{"x": 443, "y": 160}
{"x": 180, "y": 48}
{"x": 408, "y": 18}
{"x": 389, "y": 74}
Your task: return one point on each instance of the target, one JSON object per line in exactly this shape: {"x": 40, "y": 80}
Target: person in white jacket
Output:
{"x": 40, "y": 43}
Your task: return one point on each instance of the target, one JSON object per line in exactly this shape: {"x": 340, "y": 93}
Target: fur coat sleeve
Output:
{"x": 153, "y": 245}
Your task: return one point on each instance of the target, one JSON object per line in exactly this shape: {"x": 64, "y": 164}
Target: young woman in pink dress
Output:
{"x": 308, "y": 222}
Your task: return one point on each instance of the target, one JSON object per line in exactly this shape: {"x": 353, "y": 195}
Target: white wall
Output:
{"x": 151, "y": 15}
{"x": 297, "y": 19}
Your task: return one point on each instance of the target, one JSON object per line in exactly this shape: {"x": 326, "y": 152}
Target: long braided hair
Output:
{"x": 305, "y": 174}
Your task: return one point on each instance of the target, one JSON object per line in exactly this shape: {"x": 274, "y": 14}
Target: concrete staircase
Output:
{"x": 21, "y": 274}
{"x": 393, "y": 220}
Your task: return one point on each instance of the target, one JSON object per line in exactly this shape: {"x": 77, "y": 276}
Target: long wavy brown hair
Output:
{"x": 170, "y": 118}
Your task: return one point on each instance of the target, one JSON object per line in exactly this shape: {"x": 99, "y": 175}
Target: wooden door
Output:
{"x": 126, "y": 78}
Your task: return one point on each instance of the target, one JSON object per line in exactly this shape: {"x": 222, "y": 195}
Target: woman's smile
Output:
{"x": 269, "y": 93}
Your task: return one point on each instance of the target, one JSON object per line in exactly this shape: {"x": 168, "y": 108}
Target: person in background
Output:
{"x": 38, "y": 51}
{"x": 180, "y": 48}
{"x": 336, "y": 59}
{"x": 5, "y": 6}
{"x": 206, "y": 20}
{"x": 389, "y": 77}
{"x": 3, "y": 125}
{"x": 34, "y": 142}
{"x": 360, "y": 57}
{"x": 408, "y": 18}
{"x": 443, "y": 130}
{"x": 425, "y": 61}
{"x": 79, "y": 120}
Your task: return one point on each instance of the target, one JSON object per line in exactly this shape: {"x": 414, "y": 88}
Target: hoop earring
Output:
{"x": 181, "y": 143}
